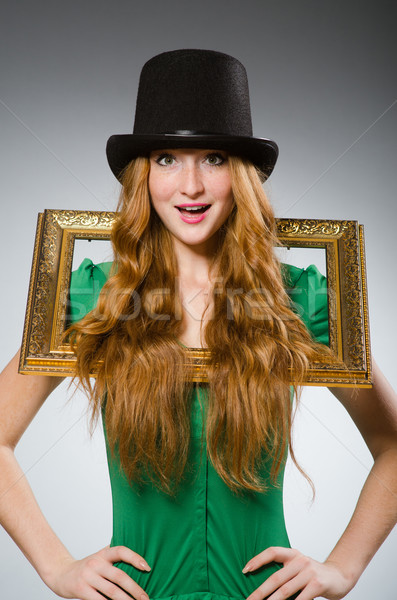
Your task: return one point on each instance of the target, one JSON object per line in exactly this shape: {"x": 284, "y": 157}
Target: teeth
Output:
{"x": 191, "y": 208}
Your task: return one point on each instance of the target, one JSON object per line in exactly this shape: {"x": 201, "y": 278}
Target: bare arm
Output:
{"x": 374, "y": 411}
{"x": 21, "y": 396}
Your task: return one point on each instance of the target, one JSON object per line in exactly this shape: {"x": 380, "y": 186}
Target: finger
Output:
{"x": 271, "y": 554}
{"x": 310, "y": 592}
{"x": 92, "y": 595}
{"x": 275, "y": 582}
{"x": 124, "y": 554}
{"x": 293, "y": 586}
{"x": 87, "y": 592}
{"x": 109, "y": 589}
{"x": 124, "y": 581}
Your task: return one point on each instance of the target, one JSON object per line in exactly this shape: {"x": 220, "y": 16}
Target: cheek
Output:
{"x": 153, "y": 187}
{"x": 221, "y": 187}
{"x": 226, "y": 194}
{"x": 158, "y": 191}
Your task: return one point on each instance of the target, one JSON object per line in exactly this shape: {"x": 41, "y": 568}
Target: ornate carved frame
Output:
{"x": 343, "y": 241}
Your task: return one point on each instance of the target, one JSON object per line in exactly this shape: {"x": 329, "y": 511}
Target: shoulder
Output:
{"x": 87, "y": 271}
{"x": 86, "y": 283}
{"x": 298, "y": 277}
{"x": 308, "y": 292}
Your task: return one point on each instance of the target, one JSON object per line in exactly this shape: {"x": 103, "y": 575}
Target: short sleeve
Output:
{"x": 308, "y": 291}
{"x": 86, "y": 283}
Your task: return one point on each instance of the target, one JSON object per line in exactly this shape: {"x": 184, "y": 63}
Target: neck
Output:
{"x": 194, "y": 261}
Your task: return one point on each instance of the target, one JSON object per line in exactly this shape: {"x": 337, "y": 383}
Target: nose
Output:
{"x": 191, "y": 183}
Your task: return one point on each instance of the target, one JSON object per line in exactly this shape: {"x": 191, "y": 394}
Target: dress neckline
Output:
{"x": 200, "y": 349}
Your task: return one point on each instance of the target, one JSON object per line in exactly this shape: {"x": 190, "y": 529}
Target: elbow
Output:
{"x": 386, "y": 449}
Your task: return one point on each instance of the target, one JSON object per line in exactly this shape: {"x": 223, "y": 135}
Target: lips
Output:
{"x": 202, "y": 208}
{"x": 193, "y": 216}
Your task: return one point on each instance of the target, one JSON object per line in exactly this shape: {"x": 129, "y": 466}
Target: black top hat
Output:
{"x": 192, "y": 99}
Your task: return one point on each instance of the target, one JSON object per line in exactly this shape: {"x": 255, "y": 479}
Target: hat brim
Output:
{"x": 121, "y": 149}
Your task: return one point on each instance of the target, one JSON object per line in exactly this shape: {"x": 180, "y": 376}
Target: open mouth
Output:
{"x": 190, "y": 212}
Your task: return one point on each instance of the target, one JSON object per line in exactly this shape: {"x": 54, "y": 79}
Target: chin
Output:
{"x": 194, "y": 239}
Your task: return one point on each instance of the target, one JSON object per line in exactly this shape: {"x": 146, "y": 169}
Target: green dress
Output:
{"x": 198, "y": 542}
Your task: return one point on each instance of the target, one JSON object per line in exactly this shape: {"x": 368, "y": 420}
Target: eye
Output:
{"x": 165, "y": 160}
{"x": 215, "y": 159}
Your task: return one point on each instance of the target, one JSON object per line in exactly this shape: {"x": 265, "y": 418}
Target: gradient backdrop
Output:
{"x": 323, "y": 85}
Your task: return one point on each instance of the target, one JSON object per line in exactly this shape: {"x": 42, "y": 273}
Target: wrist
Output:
{"x": 350, "y": 571}
{"x": 50, "y": 571}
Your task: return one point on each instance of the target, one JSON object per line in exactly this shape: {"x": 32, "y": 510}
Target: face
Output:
{"x": 183, "y": 179}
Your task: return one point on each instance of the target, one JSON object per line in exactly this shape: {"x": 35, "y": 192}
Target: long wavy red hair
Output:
{"x": 259, "y": 346}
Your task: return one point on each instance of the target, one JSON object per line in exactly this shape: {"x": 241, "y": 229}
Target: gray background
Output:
{"x": 322, "y": 83}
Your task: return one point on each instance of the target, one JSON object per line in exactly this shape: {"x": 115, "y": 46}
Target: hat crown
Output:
{"x": 201, "y": 91}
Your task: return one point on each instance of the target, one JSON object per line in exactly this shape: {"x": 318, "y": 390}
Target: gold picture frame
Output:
{"x": 343, "y": 242}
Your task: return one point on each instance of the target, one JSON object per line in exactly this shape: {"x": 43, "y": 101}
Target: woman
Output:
{"x": 209, "y": 523}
